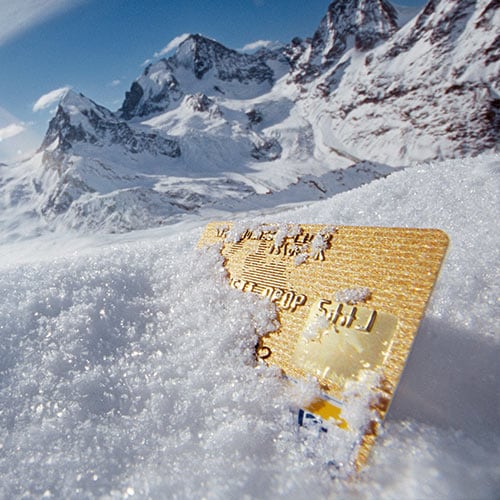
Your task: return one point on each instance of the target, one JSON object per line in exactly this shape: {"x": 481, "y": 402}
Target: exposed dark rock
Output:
{"x": 96, "y": 125}
{"x": 254, "y": 116}
{"x": 436, "y": 95}
{"x": 362, "y": 23}
{"x": 267, "y": 150}
{"x": 158, "y": 87}
{"x": 202, "y": 55}
{"x": 201, "y": 103}
{"x": 132, "y": 98}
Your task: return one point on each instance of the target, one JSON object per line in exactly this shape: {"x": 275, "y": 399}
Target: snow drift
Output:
{"x": 127, "y": 363}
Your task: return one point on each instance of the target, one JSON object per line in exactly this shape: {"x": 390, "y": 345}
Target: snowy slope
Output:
{"x": 431, "y": 91}
{"x": 127, "y": 368}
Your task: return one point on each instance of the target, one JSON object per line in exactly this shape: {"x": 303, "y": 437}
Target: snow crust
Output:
{"x": 127, "y": 366}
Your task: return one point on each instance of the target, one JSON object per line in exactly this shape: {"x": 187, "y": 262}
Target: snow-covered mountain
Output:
{"x": 81, "y": 121}
{"x": 347, "y": 24}
{"x": 430, "y": 91}
{"x": 201, "y": 65}
{"x": 209, "y": 126}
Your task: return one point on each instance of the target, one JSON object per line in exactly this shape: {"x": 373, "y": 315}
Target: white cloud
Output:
{"x": 20, "y": 15}
{"x": 115, "y": 83}
{"x": 10, "y": 131}
{"x": 49, "y": 98}
{"x": 27, "y": 140}
{"x": 173, "y": 44}
{"x": 260, "y": 44}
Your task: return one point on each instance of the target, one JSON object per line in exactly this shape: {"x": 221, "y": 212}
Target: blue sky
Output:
{"x": 98, "y": 47}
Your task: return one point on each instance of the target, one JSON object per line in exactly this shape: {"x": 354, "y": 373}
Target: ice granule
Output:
{"x": 239, "y": 229}
{"x": 353, "y": 295}
{"x": 286, "y": 231}
{"x": 300, "y": 258}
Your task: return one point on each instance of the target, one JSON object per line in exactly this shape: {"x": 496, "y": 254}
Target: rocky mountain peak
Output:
{"x": 80, "y": 121}
{"x": 348, "y": 23}
{"x": 435, "y": 81}
{"x": 216, "y": 69}
{"x": 200, "y": 54}
{"x": 75, "y": 117}
{"x": 152, "y": 92}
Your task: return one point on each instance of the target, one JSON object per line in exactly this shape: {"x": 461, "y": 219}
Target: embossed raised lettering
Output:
{"x": 286, "y": 300}
{"x": 299, "y": 300}
{"x": 369, "y": 324}
{"x": 276, "y": 295}
{"x": 347, "y": 320}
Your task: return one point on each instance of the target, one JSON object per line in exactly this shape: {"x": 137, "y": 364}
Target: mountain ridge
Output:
{"x": 161, "y": 83}
{"x": 209, "y": 124}
{"x": 436, "y": 81}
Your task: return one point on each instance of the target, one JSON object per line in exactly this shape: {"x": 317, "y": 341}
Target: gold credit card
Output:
{"x": 349, "y": 302}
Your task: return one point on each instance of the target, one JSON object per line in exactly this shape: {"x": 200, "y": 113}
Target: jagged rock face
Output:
{"x": 294, "y": 51}
{"x": 132, "y": 100}
{"x": 266, "y": 150}
{"x": 461, "y": 67}
{"x": 80, "y": 120}
{"x": 152, "y": 92}
{"x": 79, "y": 137}
{"x": 358, "y": 23}
{"x": 202, "y": 55}
{"x": 206, "y": 59}
{"x": 254, "y": 116}
{"x": 201, "y": 103}
{"x": 440, "y": 23}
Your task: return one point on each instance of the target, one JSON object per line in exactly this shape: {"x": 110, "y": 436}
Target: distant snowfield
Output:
{"x": 126, "y": 362}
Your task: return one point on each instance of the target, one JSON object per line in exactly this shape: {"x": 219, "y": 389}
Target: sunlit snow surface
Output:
{"x": 127, "y": 368}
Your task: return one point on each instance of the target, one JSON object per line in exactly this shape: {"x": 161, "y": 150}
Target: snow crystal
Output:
{"x": 316, "y": 249}
{"x": 318, "y": 245}
{"x": 286, "y": 231}
{"x": 302, "y": 392}
{"x": 237, "y": 230}
{"x": 353, "y": 295}
{"x": 300, "y": 259}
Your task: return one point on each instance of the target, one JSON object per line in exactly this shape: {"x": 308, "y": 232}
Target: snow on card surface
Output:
{"x": 127, "y": 364}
